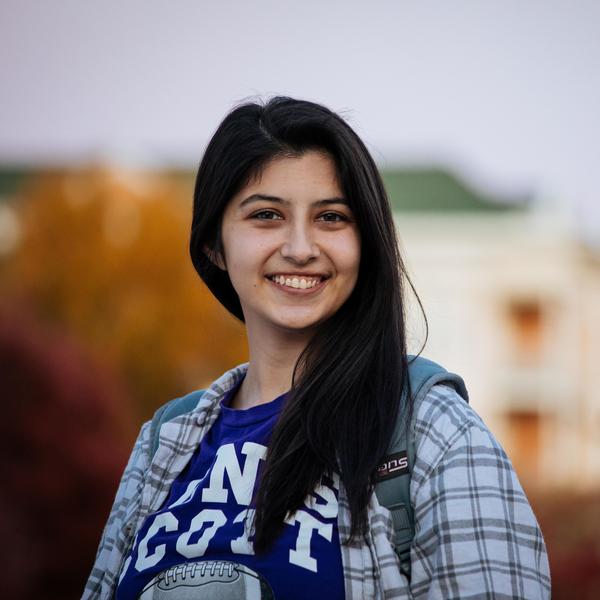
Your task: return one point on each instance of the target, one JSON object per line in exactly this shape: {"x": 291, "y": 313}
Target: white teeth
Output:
{"x": 296, "y": 282}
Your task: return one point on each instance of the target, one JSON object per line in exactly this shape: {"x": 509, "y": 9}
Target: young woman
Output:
{"x": 263, "y": 488}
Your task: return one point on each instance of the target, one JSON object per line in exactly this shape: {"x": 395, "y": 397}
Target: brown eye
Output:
{"x": 332, "y": 217}
{"x": 266, "y": 215}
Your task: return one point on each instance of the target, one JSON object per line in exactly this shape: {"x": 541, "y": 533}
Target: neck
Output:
{"x": 272, "y": 357}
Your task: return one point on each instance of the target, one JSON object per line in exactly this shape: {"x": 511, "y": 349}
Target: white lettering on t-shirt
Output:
{"x": 242, "y": 545}
{"x": 188, "y": 494}
{"x": 321, "y": 505}
{"x": 327, "y": 510}
{"x": 146, "y": 560}
{"x": 301, "y": 554}
{"x": 242, "y": 482}
{"x": 208, "y": 515}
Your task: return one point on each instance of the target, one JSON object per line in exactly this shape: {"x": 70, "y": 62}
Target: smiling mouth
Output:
{"x": 296, "y": 282}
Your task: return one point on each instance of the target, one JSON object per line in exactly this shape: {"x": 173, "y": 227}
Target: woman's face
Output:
{"x": 291, "y": 244}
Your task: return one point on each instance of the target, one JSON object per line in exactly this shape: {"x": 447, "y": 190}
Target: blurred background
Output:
{"x": 484, "y": 120}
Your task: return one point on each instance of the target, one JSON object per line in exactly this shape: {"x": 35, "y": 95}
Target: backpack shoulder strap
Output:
{"x": 394, "y": 473}
{"x": 167, "y": 412}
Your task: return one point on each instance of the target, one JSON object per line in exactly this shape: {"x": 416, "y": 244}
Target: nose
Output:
{"x": 300, "y": 247}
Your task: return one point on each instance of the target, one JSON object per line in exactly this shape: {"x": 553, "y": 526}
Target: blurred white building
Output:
{"x": 512, "y": 297}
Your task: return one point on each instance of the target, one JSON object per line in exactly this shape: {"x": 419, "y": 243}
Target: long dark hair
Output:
{"x": 347, "y": 383}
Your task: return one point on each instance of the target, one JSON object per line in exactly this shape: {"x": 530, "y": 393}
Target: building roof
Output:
{"x": 431, "y": 189}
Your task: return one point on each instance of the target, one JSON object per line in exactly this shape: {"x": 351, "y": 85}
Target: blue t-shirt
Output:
{"x": 197, "y": 546}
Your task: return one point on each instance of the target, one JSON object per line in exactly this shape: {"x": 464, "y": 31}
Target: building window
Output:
{"x": 523, "y": 442}
{"x": 525, "y": 318}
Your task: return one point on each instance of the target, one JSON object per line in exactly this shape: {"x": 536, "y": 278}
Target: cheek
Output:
{"x": 347, "y": 254}
{"x": 246, "y": 255}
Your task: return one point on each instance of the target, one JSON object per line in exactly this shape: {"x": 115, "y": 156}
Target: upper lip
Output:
{"x": 299, "y": 275}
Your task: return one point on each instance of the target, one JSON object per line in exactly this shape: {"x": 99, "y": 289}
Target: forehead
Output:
{"x": 311, "y": 173}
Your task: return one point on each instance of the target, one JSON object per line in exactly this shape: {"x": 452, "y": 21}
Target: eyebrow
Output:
{"x": 278, "y": 200}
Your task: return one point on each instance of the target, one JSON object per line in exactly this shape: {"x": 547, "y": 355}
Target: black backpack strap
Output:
{"x": 394, "y": 472}
{"x": 167, "y": 412}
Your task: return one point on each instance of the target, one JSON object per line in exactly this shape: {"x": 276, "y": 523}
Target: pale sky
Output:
{"x": 505, "y": 92}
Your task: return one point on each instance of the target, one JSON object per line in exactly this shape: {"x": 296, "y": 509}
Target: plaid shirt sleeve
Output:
{"x": 476, "y": 534}
{"x": 118, "y": 531}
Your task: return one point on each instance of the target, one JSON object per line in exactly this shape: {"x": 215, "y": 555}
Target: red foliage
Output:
{"x": 64, "y": 436}
{"x": 571, "y": 527}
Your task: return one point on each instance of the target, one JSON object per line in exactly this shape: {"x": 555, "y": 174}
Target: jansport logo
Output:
{"x": 393, "y": 466}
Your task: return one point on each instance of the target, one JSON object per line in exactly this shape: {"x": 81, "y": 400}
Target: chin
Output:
{"x": 298, "y": 323}
{"x": 298, "y": 326}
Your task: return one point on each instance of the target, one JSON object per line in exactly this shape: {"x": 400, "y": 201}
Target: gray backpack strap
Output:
{"x": 169, "y": 411}
{"x": 394, "y": 472}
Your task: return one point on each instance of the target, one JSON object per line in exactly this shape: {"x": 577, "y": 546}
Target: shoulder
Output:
{"x": 117, "y": 531}
{"x": 444, "y": 421}
{"x": 456, "y": 454}
{"x": 200, "y": 401}
{"x": 135, "y": 470}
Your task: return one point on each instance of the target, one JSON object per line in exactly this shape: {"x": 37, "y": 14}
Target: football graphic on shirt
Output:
{"x": 208, "y": 580}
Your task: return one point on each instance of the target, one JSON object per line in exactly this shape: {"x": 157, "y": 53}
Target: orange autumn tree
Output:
{"x": 104, "y": 255}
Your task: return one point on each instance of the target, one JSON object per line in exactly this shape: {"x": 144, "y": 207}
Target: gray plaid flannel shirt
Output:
{"x": 476, "y": 535}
